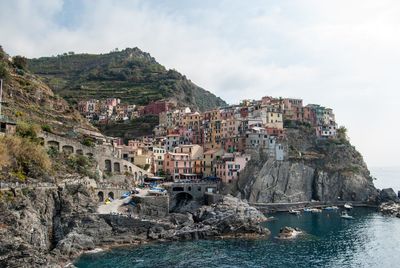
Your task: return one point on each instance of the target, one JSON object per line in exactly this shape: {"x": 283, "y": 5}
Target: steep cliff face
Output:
{"x": 314, "y": 170}
{"x": 49, "y": 226}
{"x": 35, "y": 221}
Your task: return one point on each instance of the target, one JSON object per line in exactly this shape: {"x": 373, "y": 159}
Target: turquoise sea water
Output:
{"x": 370, "y": 240}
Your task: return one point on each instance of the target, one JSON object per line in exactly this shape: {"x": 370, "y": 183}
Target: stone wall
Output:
{"x": 151, "y": 205}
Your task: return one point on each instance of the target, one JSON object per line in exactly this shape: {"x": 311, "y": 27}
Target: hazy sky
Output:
{"x": 341, "y": 54}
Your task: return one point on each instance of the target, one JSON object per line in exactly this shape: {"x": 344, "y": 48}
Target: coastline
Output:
{"x": 104, "y": 248}
{"x": 285, "y": 207}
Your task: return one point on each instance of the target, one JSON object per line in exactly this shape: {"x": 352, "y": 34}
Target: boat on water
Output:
{"x": 307, "y": 209}
{"x": 348, "y": 206}
{"x": 316, "y": 210}
{"x": 331, "y": 208}
{"x": 294, "y": 212}
{"x": 346, "y": 216}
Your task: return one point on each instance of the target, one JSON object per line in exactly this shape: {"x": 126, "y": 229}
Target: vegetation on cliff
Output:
{"x": 131, "y": 75}
{"x": 28, "y": 98}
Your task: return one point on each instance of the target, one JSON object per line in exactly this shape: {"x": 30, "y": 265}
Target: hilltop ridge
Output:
{"x": 131, "y": 75}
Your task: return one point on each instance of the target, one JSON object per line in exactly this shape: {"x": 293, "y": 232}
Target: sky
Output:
{"x": 342, "y": 54}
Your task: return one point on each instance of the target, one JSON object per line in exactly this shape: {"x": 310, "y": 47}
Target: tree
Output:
{"x": 342, "y": 134}
{"x": 20, "y": 62}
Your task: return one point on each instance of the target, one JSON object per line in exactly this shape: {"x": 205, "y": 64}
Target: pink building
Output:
{"x": 293, "y": 109}
{"x": 156, "y": 107}
{"x": 177, "y": 164}
{"x": 112, "y": 102}
{"x": 230, "y": 166}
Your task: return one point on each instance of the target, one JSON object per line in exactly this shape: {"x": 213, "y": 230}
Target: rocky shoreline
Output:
{"x": 52, "y": 227}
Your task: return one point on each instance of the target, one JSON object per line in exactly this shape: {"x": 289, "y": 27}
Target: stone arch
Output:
{"x": 125, "y": 168}
{"x": 117, "y": 167}
{"x": 107, "y": 165}
{"x": 111, "y": 195}
{"x": 101, "y": 196}
{"x": 130, "y": 169}
{"x": 68, "y": 149}
{"x": 136, "y": 175}
{"x": 54, "y": 144}
{"x": 181, "y": 199}
{"x": 79, "y": 151}
{"x": 90, "y": 155}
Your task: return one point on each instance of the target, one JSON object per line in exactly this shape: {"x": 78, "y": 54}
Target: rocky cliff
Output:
{"x": 323, "y": 170}
{"x": 49, "y": 226}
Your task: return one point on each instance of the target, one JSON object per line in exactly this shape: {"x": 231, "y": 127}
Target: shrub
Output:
{"x": 88, "y": 142}
{"x": 25, "y": 157}
{"x": 27, "y": 130}
{"x": 20, "y": 62}
{"x": 47, "y": 128}
{"x": 3, "y": 71}
{"x": 80, "y": 164}
{"x": 20, "y": 175}
{"x": 53, "y": 152}
{"x": 19, "y": 114}
{"x": 342, "y": 134}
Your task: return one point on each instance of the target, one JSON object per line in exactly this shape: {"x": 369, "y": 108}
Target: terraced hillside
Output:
{"x": 131, "y": 75}
{"x": 27, "y": 98}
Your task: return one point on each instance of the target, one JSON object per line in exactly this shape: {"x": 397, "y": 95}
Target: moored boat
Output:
{"x": 348, "y": 206}
{"x": 295, "y": 212}
{"x": 331, "y": 208}
{"x": 346, "y": 216}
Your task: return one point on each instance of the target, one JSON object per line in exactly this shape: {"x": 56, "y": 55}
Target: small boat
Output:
{"x": 348, "y": 206}
{"x": 346, "y": 216}
{"x": 307, "y": 209}
{"x": 295, "y": 212}
{"x": 331, "y": 208}
{"x": 316, "y": 210}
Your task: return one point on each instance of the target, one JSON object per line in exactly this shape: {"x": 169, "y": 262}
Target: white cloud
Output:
{"x": 342, "y": 54}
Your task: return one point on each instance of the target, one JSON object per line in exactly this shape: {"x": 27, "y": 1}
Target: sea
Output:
{"x": 386, "y": 177}
{"x": 368, "y": 240}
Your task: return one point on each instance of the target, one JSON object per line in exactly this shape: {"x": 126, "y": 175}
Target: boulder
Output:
{"x": 289, "y": 233}
{"x": 387, "y": 195}
{"x": 390, "y": 208}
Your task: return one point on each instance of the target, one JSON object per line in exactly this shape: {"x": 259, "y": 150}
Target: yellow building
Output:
{"x": 209, "y": 159}
{"x": 274, "y": 118}
{"x": 144, "y": 161}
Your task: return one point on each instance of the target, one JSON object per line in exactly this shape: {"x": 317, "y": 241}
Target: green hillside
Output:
{"x": 26, "y": 98}
{"x": 131, "y": 75}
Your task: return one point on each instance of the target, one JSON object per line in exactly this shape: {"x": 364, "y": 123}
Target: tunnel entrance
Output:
{"x": 180, "y": 201}
{"x": 101, "y": 196}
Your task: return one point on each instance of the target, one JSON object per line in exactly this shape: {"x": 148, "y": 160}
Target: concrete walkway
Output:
{"x": 113, "y": 207}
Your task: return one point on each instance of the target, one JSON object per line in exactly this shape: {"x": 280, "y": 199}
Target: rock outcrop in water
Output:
{"x": 324, "y": 170}
{"x": 47, "y": 227}
{"x": 390, "y": 208}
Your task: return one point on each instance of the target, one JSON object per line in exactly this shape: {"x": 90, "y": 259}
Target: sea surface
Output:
{"x": 370, "y": 240}
{"x": 386, "y": 177}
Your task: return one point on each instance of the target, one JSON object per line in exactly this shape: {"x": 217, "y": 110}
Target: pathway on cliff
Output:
{"x": 113, "y": 207}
